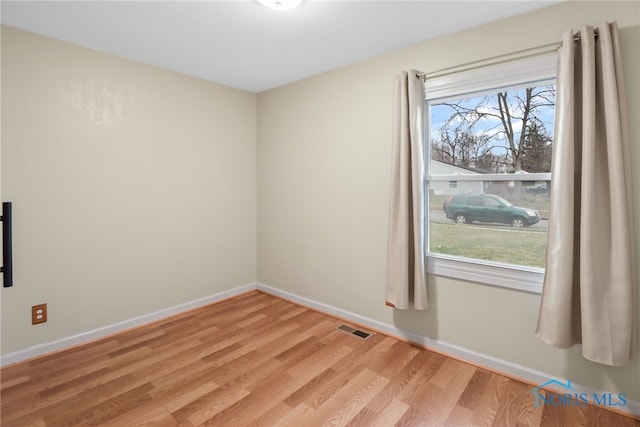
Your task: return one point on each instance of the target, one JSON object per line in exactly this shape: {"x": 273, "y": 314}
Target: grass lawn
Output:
{"x": 506, "y": 244}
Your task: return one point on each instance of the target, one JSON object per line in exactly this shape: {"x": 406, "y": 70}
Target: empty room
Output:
{"x": 320, "y": 212}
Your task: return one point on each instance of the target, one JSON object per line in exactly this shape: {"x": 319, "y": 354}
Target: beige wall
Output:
{"x": 133, "y": 188}
{"x": 323, "y": 186}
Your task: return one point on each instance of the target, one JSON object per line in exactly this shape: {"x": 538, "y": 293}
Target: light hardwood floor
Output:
{"x": 256, "y": 360}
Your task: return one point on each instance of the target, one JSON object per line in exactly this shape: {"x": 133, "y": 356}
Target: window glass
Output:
{"x": 498, "y": 147}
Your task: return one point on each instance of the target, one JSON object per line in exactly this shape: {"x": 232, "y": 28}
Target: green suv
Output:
{"x": 467, "y": 208}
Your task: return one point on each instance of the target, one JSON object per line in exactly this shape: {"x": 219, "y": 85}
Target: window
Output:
{"x": 490, "y": 131}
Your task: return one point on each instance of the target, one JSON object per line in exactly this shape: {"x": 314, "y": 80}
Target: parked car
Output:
{"x": 467, "y": 208}
{"x": 540, "y": 188}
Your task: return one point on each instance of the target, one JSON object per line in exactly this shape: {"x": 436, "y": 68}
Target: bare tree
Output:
{"x": 460, "y": 147}
{"x": 516, "y": 128}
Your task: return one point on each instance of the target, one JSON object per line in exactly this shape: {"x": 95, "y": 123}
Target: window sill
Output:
{"x": 522, "y": 278}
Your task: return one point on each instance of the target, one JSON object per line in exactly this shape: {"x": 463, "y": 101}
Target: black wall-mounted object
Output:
{"x": 7, "y": 256}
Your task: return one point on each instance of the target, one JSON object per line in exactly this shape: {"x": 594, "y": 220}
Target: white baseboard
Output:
{"x": 84, "y": 337}
{"x": 508, "y": 368}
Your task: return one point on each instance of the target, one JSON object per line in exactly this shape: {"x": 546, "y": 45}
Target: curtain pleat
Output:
{"x": 406, "y": 281}
{"x": 588, "y": 290}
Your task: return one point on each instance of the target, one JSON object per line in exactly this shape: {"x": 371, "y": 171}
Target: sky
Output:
{"x": 440, "y": 113}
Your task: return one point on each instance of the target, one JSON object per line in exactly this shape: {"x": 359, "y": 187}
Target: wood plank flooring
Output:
{"x": 256, "y": 360}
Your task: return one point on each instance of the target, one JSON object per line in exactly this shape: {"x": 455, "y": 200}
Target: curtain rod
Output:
{"x": 499, "y": 59}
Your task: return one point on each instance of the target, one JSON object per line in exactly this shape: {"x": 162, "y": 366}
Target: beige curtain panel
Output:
{"x": 406, "y": 285}
{"x": 588, "y": 293}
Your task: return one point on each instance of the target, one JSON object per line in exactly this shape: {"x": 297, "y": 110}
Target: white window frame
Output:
{"x": 519, "y": 73}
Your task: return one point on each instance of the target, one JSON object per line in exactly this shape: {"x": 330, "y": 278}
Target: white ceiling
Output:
{"x": 243, "y": 44}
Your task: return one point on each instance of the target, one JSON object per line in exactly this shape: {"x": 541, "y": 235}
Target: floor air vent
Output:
{"x": 353, "y": 331}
